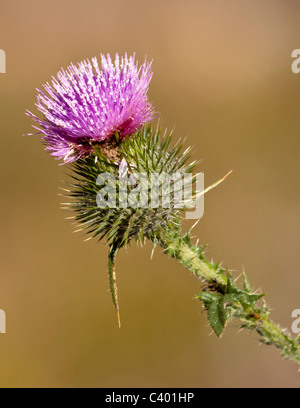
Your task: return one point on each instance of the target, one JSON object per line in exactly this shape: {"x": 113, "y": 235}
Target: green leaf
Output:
{"x": 245, "y": 297}
{"x": 230, "y": 285}
{"x": 112, "y": 279}
{"x": 216, "y": 312}
{"x": 247, "y": 287}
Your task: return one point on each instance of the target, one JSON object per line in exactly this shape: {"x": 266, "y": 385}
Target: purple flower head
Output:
{"x": 86, "y": 105}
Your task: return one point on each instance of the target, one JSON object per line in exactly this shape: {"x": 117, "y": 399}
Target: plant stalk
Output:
{"x": 223, "y": 300}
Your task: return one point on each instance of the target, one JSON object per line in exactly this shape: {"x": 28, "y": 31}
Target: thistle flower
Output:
{"x": 86, "y": 106}
{"x": 87, "y": 115}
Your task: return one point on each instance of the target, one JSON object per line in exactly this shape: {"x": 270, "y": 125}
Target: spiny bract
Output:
{"x": 147, "y": 153}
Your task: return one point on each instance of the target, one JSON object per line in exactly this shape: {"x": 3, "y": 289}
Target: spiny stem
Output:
{"x": 113, "y": 280}
{"x": 224, "y": 300}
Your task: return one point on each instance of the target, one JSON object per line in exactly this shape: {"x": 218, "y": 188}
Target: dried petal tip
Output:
{"x": 85, "y": 106}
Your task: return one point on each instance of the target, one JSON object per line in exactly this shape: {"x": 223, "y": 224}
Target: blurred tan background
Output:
{"x": 222, "y": 76}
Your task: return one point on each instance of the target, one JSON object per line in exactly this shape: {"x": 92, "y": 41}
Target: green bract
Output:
{"x": 146, "y": 153}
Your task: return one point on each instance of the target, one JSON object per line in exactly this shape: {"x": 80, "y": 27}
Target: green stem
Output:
{"x": 224, "y": 300}
{"x": 113, "y": 279}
